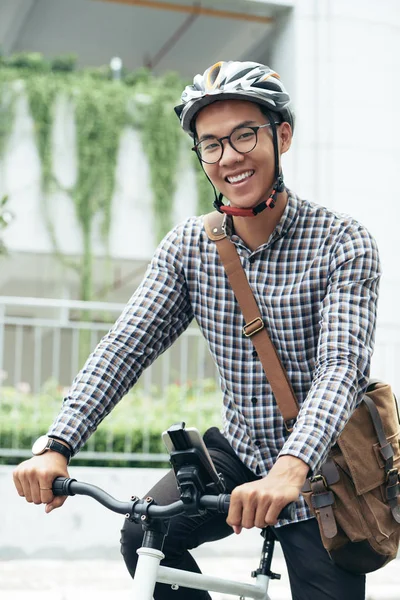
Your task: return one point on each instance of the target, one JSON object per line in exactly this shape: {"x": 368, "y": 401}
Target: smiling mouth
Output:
{"x": 239, "y": 178}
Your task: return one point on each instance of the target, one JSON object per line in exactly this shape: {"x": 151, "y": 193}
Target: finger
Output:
{"x": 249, "y": 513}
{"x": 260, "y": 516}
{"x": 56, "y": 502}
{"x": 271, "y": 517}
{"x": 46, "y": 489}
{"x": 26, "y": 487}
{"x": 18, "y": 484}
{"x": 237, "y": 529}
{"x": 46, "y": 495}
{"x": 234, "y": 518}
{"x": 35, "y": 491}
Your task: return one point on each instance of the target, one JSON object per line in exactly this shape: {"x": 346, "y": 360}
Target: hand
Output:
{"x": 34, "y": 477}
{"x": 258, "y": 504}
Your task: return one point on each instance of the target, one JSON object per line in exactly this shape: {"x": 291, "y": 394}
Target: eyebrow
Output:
{"x": 207, "y": 136}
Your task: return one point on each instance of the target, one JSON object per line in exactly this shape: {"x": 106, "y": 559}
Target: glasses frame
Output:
{"x": 254, "y": 128}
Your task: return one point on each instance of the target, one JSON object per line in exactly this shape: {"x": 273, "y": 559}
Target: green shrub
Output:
{"x": 134, "y": 426}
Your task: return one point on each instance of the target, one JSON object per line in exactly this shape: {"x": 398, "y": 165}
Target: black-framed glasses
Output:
{"x": 242, "y": 139}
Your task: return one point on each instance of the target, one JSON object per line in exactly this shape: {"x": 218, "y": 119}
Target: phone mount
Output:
{"x": 194, "y": 470}
{"x": 195, "y": 475}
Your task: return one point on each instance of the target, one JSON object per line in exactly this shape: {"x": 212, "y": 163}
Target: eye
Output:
{"x": 245, "y": 135}
{"x": 210, "y": 146}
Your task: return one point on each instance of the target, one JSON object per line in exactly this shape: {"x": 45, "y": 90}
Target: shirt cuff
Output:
{"x": 309, "y": 447}
{"x": 71, "y": 432}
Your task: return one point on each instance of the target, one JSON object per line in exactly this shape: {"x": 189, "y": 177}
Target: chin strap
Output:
{"x": 279, "y": 187}
{"x": 270, "y": 202}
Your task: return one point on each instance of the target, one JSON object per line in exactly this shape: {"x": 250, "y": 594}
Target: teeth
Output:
{"x": 240, "y": 177}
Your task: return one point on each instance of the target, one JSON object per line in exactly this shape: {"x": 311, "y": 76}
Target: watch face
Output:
{"x": 40, "y": 445}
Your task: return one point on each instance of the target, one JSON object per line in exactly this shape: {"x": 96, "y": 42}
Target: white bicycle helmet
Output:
{"x": 234, "y": 80}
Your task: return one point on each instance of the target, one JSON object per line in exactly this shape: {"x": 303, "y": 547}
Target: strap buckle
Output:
{"x": 319, "y": 478}
{"x": 392, "y": 476}
{"x": 289, "y": 424}
{"x": 253, "y": 327}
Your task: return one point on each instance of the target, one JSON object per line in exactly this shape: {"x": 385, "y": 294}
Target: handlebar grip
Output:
{"x": 61, "y": 486}
{"x": 288, "y": 512}
{"x": 223, "y": 503}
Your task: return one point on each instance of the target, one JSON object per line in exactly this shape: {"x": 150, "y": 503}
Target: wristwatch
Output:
{"x": 45, "y": 443}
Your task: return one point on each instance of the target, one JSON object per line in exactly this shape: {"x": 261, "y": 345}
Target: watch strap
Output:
{"x": 53, "y": 444}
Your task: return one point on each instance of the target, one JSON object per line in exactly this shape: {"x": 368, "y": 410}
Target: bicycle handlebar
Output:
{"x": 70, "y": 487}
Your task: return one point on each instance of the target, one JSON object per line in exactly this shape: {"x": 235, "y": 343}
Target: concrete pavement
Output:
{"x": 106, "y": 579}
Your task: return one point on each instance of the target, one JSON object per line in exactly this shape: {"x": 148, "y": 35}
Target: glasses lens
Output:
{"x": 210, "y": 150}
{"x": 243, "y": 139}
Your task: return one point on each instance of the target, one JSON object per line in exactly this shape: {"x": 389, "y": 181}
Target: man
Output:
{"x": 315, "y": 277}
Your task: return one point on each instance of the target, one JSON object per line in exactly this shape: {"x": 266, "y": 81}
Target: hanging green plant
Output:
{"x": 103, "y": 108}
{"x": 161, "y": 140}
{"x": 41, "y": 92}
{"x": 100, "y": 116}
{"x": 8, "y": 97}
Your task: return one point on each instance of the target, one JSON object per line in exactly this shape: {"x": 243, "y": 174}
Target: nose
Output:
{"x": 230, "y": 155}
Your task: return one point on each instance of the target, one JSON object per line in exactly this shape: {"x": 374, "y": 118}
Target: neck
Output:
{"x": 256, "y": 231}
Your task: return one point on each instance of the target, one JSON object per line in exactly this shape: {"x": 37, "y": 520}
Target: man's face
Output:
{"x": 258, "y": 166}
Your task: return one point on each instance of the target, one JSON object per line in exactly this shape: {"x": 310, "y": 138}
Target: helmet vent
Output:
{"x": 212, "y": 76}
{"x": 241, "y": 74}
{"x": 268, "y": 85}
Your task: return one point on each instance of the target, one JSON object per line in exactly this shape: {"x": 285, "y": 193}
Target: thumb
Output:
{"x": 55, "y": 503}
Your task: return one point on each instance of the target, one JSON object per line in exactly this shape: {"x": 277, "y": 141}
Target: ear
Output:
{"x": 285, "y": 137}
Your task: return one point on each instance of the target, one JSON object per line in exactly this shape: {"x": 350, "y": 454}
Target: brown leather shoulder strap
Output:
{"x": 254, "y": 325}
{"x": 213, "y": 224}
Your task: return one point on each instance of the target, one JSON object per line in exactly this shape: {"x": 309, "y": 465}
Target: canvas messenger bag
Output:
{"x": 355, "y": 496}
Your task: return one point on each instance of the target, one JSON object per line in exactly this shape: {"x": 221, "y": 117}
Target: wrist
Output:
{"x": 297, "y": 467}
{"x": 56, "y": 455}
{"x": 47, "y": 444}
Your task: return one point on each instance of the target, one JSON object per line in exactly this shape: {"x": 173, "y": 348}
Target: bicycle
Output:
{"x": 201, "y": 489}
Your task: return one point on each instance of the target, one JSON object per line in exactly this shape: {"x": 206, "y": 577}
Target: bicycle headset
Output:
{"x": 236, "y": 80}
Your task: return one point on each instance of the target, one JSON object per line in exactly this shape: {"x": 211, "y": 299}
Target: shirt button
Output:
{"x": 254, "y": 353}
{"x": 254, "y": 400}
{"x": 252, "y": 259}
{"x": 257, "y": 443}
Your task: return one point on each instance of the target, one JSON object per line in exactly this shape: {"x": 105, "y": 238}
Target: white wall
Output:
{"x": 346, "y": 150}
{"x": 340, "y": 61}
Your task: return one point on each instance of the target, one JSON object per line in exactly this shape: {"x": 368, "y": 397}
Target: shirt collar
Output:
{"x": 290, "y": 215}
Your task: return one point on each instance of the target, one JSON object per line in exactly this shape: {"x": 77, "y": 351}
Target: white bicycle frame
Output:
{"x": 149, "y": 572}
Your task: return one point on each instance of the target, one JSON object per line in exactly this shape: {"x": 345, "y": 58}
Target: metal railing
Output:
{"x": 44, "y": 343}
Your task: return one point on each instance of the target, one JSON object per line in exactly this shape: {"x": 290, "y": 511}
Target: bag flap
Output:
{"x": 359, "y": 443}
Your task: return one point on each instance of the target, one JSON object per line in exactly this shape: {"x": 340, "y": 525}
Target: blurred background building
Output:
{"x": 339, "y": 59}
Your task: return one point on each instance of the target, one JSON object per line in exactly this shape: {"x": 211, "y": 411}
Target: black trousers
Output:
{"x": 312, "y": 574}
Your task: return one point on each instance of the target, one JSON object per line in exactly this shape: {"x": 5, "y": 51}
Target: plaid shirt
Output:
{"x": 316, "y": 284}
